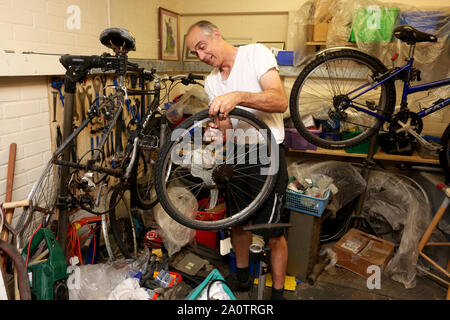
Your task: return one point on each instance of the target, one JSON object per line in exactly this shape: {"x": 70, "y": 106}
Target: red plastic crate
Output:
{"x": 208, "y": 238}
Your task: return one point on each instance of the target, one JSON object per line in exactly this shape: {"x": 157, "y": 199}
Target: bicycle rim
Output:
{"x": 212, "y": 186}
{"x": 123, "y": 225}
{"x": 322, "y": 97}
{"x": 44, "y": 196}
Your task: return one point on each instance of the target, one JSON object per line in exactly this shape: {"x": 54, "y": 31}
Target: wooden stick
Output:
{"x": 16, "y": 204}
{"x": 9, "y": 188}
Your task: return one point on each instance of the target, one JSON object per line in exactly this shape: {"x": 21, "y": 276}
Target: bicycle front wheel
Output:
{"x": 324, "y": 96}
{"x": 212, "y": 185}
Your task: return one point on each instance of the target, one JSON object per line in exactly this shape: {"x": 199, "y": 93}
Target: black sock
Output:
{"x": 242, "y": 274}
{"x": 277, "y": 294}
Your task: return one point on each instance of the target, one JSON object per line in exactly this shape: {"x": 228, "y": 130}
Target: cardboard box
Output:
{"x": 357, "y": 250}
{"x": 322, "y": 18}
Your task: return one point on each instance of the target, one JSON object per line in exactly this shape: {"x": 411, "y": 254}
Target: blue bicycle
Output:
{"x": 346, "y": 90}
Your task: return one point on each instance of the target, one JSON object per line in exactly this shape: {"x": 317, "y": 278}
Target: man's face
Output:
{"x": 204, "y": 46}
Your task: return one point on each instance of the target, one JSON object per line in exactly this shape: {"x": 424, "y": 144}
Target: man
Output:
{"x": 247, "y": 77}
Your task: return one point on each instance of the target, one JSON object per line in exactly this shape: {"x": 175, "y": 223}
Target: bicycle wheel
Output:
{"x": 19, "y": 265}
{"x": 322, "y": 96}
{"x": 242, "y": 172}
{"x": 444, "y": 154}
{"x": 143, "y": 188}
{"x": 125, "y": 225}
{"x": 44, "y": 196}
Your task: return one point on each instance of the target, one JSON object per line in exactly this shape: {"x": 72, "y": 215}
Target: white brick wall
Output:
{"x": 24, "y": 119}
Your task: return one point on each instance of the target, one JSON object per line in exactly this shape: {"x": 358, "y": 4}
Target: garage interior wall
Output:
{"x": 40, "y": 26}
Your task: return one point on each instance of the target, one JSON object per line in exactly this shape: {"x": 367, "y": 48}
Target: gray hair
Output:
{"x": 206, "y": 26}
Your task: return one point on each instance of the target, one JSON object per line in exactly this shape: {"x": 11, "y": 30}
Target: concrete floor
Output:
{"x": 343, "y": 284}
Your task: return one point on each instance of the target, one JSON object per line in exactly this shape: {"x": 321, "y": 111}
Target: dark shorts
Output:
{"x": 267, "y": 213}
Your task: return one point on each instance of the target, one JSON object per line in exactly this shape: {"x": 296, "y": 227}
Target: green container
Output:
{"x": 49, "y": 275}
{"x": 362, "y": 148}
{"x": 376, "y": 25}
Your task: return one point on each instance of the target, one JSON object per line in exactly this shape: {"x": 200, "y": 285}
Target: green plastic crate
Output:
{"x": 360, "y": 148}
{"x": 374, "y": 25}
{"x": 213, "y": 275}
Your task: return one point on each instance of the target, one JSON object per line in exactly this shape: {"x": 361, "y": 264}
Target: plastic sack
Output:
{"x": 96, "y": 281}
{"x": 399, "y": 202}
{"x": 346, "y": 178}
{"x": 129, "y": 289}
{"x": 175, "y": 235}
{"x": 193, "y": 100}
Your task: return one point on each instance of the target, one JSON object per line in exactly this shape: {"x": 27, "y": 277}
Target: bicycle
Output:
{"x": 346, "y": 90}
{"x": 69, "y": 184}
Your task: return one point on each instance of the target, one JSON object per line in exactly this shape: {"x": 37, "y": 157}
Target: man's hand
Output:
{"x": 216, "y": 131}
{"x": 224, "y": 104}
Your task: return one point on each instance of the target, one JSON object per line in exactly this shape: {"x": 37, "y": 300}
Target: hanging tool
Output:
{"x": 57, "y": 84}
{"x": 55, "y": 95}
{"x": 141, "y": 113}
{"x": 81, "y": 97}
{"x": 92, "y": 147}
{"x": 96, "y": 82}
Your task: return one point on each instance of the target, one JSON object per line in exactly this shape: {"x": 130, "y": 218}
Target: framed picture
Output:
{"x": 187, "y": 55}
{"x": 237, "y": 42}
{"x": 273, "y": 44}
{"x": 169, "y": 42}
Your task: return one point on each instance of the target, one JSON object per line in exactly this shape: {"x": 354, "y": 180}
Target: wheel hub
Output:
{"x": 222, "y": 175}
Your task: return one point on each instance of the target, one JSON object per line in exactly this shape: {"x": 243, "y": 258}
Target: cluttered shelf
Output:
{"x": 380, "y": 155}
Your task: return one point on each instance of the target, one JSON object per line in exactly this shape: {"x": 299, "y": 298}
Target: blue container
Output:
{"x": 285, "y": 58}
{"x": 253, "y": 268}
{"x": 306, "y": 204}
{"x": 426, "y": 21}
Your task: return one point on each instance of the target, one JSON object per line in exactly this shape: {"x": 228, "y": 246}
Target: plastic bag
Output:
{"x": 400, "y": 203}
{"x": 193, "y": 100}
{"x": 175, "y": 235}
{"x": 96, "y": 281}
{"x": 129, "y": 289}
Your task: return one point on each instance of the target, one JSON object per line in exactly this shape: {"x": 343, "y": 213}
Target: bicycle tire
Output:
{"x": 122, "y": 224}
{"x": 43, "y": 194}
{"x": 317, "y": 92}
{"x": 236, "y": 216}
{"x": 19, "y": 265}
{"x": 444, "y": 154}
{"x": 142, "y": 185}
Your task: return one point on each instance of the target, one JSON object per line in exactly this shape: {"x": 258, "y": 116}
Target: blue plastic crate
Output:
{"x": 426, "y": 21}
{"x": 285, "y": 58}
{"x": 306, "y": 204}
{"x": 213, "y": 275}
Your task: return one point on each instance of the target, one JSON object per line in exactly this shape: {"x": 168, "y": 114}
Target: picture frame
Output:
{"x": 273, "y": 44}
{"x": 169, "y": 35}
{"x": 237, "y": 42}
{"x": 187, "y": 55}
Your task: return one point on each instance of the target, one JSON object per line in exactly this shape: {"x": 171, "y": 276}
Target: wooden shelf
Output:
{"x": 380, "y": 155}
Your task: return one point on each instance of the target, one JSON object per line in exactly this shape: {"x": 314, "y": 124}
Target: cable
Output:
{"x": 29, "y": 244}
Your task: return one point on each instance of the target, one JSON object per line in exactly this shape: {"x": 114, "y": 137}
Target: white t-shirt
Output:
{"x": 252, "y": 61}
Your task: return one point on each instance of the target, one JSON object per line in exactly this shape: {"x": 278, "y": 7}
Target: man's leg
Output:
{"x": 278, "y": 260}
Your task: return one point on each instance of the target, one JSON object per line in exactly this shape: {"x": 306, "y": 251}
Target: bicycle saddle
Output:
{"x": 118, "y": 39}
{"x": 411, "y": 35}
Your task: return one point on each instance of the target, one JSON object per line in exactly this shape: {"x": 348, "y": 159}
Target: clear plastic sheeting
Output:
{"x": 97, "y": 281}
{"x": 399, "y": 211}
{"x": 174, "y": 235}
{"x": 369, "y": 25}
{"x": 346, "y": 178}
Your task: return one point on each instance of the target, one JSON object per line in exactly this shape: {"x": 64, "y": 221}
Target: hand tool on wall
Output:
{"x": 57, "y": 84}
{"x": 81, "y": 98}
{"x": 112, "y": 143}
{"x": 96, "y": 82}
{"x": 92, "y": 147}
{"x": 55, "y": 95}
{"x": 141, "y": 106}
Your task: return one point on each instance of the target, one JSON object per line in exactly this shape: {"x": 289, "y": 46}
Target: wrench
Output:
{"x": 81, "y": 97}
{"x": 96, "y": 82}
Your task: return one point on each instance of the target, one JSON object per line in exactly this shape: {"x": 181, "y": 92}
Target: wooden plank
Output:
{"x": 380, "y": 155}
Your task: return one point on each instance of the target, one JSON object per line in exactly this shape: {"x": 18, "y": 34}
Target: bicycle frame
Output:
{"x": 407, "y": 90}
